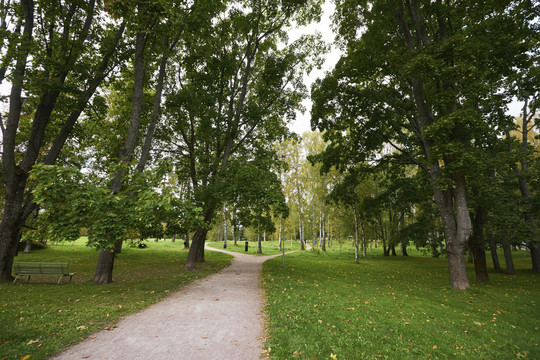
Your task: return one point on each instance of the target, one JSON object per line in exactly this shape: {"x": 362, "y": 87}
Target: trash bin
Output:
{"x": 224, "y": 245}
{"x": 247, "y": 244}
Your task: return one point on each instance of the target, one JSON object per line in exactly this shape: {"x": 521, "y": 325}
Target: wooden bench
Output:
{"x": 41, "y": 268}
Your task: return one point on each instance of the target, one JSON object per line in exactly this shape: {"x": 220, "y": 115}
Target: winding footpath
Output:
{"x": 218, "y": 317}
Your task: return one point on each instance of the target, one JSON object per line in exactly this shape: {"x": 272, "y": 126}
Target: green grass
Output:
{"x": 41, "y": 318}
{"x": 324, "y": 306}
{"x": 268, "y": 247}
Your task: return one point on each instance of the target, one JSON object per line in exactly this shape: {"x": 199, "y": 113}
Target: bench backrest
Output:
{"x": 45, "y": 268}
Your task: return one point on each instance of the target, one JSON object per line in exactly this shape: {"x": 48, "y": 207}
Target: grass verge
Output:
{"x": 268, "y": 247}
{"x": 323, "y": 306}
{"x": 40, "y": 318}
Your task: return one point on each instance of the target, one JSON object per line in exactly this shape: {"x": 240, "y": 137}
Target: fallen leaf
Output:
{"x": 25, "y": 357}
{"x": 32, "y": 342}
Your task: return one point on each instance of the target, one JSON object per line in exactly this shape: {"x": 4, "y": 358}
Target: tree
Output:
{"x": 235, "y": 89}
{"x": 57, "y": 55}
{"x": 424, "y": 79}
{"x": 71, "y": 200}
{"x": 148, "y": 23}
{"x": 256, "y": 192}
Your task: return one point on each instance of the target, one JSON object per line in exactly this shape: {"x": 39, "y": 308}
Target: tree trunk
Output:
{"x": 224, "y": 227}
{"x": 10, "y": 228}
{"x": 279, "y": 236}
{"x": 104, "y": 268}
{"x": 28, "y": 247}
{"x": 301, "y": 230}
{"x": 16, "y": 177}
{"x": 356, "y": 237}
{"x": 477, "y": 248}
{"x": 323, "y": 245}
{"x": 535, "y": 256}
{"x": 493, "y": 250}
{"x": 259, "y": 244}
{"x": 404, "y": 249}
{"x": 508, "y": 259}
{"x": 197, "y": 245}
{"x": 364, "y": 240}
{"x": 118, "y": 246}
{"x": 403, "y": 242}
{"x": 173, "y": 239}
{"x": 105, "y": 260}
{"x": 186, "y": 241}
{"x": 314, "y": 236}
{"x": 457, "y": 226}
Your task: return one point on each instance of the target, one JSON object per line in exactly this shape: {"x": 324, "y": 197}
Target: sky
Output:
{"x": 302, "y": 122}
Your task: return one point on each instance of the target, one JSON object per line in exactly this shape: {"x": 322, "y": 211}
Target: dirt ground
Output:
{"x": 218, "y": 317}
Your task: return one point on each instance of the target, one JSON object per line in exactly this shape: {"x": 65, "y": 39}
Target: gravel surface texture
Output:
{"x": 218, "y": 317}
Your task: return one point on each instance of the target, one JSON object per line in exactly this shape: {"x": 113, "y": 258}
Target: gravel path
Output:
{"x": 218, "y": 317}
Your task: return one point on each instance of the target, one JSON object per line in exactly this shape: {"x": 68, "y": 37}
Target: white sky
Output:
{"x": 302, "y": 122}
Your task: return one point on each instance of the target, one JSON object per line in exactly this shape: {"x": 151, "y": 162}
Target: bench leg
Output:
{"x": 15, "y": 281}
{"x": 60, "y": 280}
{"x": 29, "y": 278}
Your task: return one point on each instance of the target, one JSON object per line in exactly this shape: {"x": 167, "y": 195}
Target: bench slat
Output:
{"x": 41, "y": 268}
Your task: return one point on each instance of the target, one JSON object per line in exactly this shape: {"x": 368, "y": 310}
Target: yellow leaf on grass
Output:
{"x": 25, "y": 357}
{"x": 333, "y": 356}
{"x": 32, "y": 342}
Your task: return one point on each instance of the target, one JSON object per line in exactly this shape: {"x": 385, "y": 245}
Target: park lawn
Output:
{"x": 41, "y": 318}
{"x": 268, "y": 247}
{"x": 323, "y": 306}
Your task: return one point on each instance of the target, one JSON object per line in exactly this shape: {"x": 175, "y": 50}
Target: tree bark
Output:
{"x": 197, "y": 244}
{"x": 104, "y": 270}
{"x": 508, "y": 259}
{"x": 477, "y": 248}
{"x": 16, "y": 213}
{"x": 12, "y": 220}
{"x": 224, "y": 226}
{"x": 452, "y": 203}
{"x": 323, "y": 228}
{"x": 364, "y": 239}
{"x": 404, "y": 249}
{"x": 356, "y": 237}
{"x": 105, "y": 265}
{"x": 259, "y": 244}
{"x": 301, "y": 230}
{"x": 534, "y": 244}
{"x": 493, "y": 250}
{"x": 456, "y": 229}
{"x": 535, "y": 256}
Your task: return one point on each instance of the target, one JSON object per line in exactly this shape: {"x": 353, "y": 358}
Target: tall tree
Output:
{"x": 235, "y": 88}
{"x": 57, "y": 54}
{"x": 425, "y": 79}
